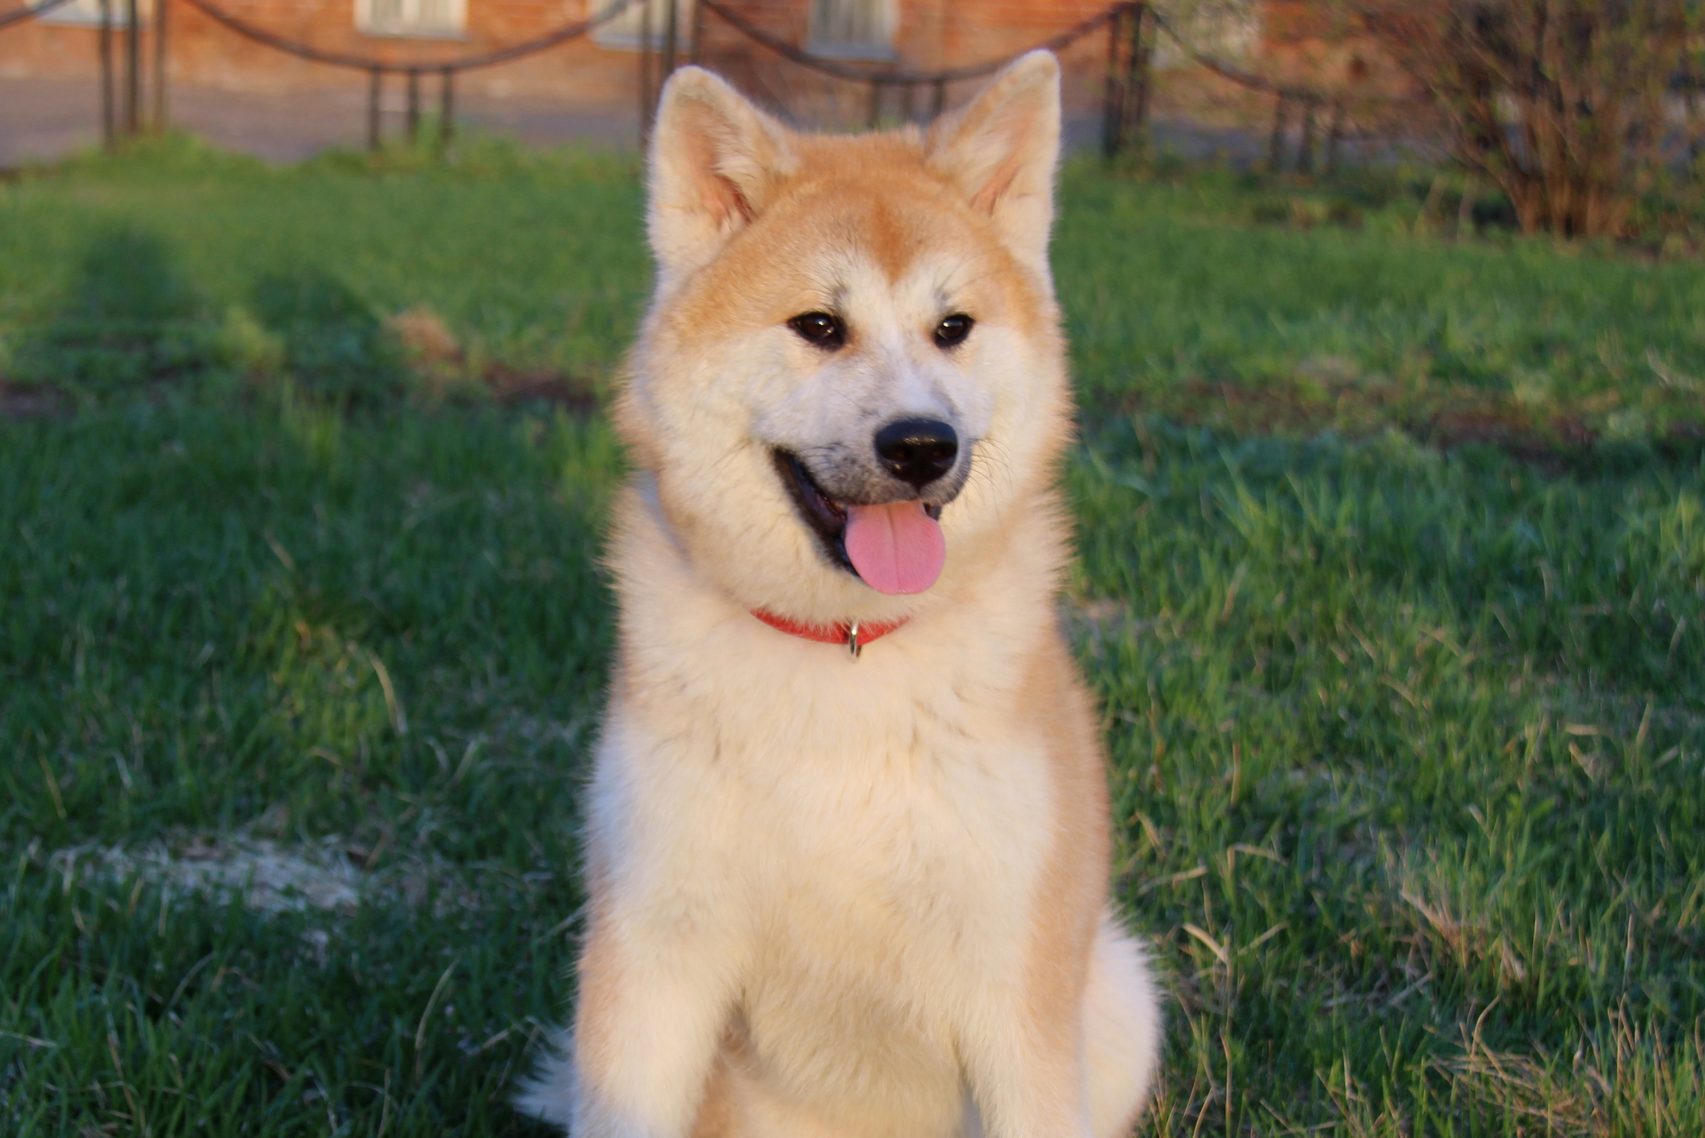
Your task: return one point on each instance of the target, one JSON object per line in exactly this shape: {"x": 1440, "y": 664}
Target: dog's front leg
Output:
{"x": 1026, "y": 1073}
{"x": 654, "y": 1001}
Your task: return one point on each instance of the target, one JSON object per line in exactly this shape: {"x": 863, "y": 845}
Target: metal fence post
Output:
{"x": 104, "y": 44}
{"x": 413, "y": 105}
{"x": 647, "y": 103}
{"x": 1113, "y": 89}
{"x": 1305, "y": 151}
{"x": 671, "y": 35}
{"x": 375, "y": 86}
{"x": 161, "y": 7}
{"x": 1334, "y": 135}
{"x": 1143, "y": 35}
{"x": 446, "y": 107}
{"x": 1690, "y": 109}
{"x": 1276, "y": 143}
{"x": 133, "y": 69}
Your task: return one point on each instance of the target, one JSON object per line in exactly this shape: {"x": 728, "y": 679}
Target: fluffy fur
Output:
{"x": 838, "y": 898}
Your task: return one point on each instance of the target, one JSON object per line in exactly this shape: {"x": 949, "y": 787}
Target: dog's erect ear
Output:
{"x": 714, "y": 160}
{"x": 1001, "y": 150}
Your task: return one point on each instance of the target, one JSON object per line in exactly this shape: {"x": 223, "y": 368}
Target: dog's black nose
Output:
{"x": 917, "y": 450}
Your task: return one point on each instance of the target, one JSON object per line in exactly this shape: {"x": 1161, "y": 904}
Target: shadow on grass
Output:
{"x": 294, "y": 612}
{"x": 335, "y": 348}
{"x": 1567, "y": 441}
{"x": 1592, "y": 575}
{"x": 129, "y": 320}
{"x": 129, "y": 323}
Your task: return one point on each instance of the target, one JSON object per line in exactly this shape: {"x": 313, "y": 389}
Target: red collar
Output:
{"x": 855, "y": 635}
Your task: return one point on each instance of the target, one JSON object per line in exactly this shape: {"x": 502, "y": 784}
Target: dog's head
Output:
{"x": 851, "y": 374}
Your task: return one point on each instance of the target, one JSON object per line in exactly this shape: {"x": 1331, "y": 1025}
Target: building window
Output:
{"x": 1224, "y": 28}
{"x": 852, "y": 29}
{"x": 88, "y": 12}
{"x": 426, "y": 19}
{"x": 624, "y": 30}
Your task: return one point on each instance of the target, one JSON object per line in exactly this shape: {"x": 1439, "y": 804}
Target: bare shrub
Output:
{"x": 1561, "y": 104}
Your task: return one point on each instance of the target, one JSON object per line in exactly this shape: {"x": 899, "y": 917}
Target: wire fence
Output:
{"x": 129, "y": 118}
{"x": 301, "y": 50}
{"x": 378, "y": 70}
{"x": 112, "y": 116}
{"x": 29, "y": 12}
{"x": 889, "y": 83}
{"x": 1317, "y": 117}
{"x": 841, "y": 69}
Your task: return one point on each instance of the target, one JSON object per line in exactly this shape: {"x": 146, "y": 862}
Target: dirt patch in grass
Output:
{"x": 332, "y": 875}
{"x": 265, "y": 875}
{"x": 513, "y": 388}
{"x": 435, "y": 354}
{"x": 1550, "y": 444}
{"x": 20, "y": 402}
{"x": 1448, "y": 420}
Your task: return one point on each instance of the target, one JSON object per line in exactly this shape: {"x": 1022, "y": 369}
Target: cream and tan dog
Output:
{"x": 833, "y": 896}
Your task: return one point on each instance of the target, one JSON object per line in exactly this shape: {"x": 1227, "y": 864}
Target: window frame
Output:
{"x": 817, "y": 43}
{"x": 455, "y": 29}
{"x": 87, "y": 14}
{"x": 622, "y": 33}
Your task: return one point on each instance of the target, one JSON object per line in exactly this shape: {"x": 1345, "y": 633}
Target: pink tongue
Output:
{"x": 896, "y": 548}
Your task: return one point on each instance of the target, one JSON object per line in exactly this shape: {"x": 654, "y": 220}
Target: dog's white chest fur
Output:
{"x": 876, "y": 829}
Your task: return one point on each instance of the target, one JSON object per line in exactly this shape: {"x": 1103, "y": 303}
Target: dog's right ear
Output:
{"x": 715, "y": 158}
{"x": 1001, "y": 150}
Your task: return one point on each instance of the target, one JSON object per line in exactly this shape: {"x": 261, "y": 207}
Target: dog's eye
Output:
{"x": 819, "y": 329}
{"x": 952, "y": 330}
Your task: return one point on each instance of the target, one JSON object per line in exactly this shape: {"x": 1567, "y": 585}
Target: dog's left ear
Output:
{"x": 1001, "y": 150}
{"x": 715, "y": 158}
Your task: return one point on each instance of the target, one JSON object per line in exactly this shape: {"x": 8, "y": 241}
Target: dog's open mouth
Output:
{"x": 894, "y": 547}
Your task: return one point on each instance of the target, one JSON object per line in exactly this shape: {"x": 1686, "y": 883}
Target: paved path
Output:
{"x": 42, "y": 119}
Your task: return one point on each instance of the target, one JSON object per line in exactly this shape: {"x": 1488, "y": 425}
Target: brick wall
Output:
{"x": 930, "y": 33}
{"x": 1305, "y": 41}
{"x": 204, "y": 52}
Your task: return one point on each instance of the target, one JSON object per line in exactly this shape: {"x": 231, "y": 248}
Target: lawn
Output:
{"x": 1393, "y": 587}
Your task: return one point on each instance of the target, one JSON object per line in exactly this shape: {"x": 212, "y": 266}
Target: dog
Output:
{"x": 848, "y": 844}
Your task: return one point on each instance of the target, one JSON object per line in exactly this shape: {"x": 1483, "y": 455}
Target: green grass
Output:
{"x": 1393, "y": 586}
